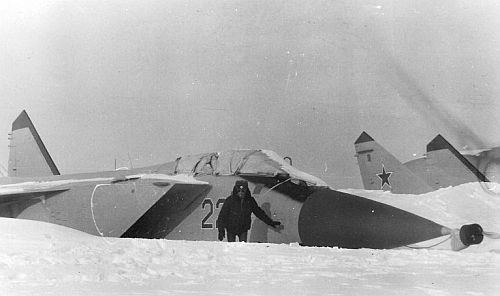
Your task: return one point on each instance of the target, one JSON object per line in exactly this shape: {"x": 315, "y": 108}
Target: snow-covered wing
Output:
{"x": 27, "y": 190}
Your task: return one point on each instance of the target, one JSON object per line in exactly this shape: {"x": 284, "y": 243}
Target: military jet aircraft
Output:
{"x": 442, "y": 166}
{"x": 181, "y": 200}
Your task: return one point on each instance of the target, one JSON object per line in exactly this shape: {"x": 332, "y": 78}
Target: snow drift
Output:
{"x": 45, "y": 259}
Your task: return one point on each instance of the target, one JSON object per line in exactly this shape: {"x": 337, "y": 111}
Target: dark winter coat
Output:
{"x": 235, "y": 215}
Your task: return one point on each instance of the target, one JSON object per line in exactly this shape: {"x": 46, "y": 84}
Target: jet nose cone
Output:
{"x": 337, "y": 219}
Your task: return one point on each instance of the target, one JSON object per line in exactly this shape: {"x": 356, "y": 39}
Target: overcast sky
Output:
{"x": 154, "y": 80}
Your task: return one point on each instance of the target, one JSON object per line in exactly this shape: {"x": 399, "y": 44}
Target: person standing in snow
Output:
{"x": 235, "y": 215}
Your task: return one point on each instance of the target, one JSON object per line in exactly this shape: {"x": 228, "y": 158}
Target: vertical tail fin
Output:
{"x": 447, "y": 167}
{"x": 381, "y": 170}
{"x": 28, "y": 156}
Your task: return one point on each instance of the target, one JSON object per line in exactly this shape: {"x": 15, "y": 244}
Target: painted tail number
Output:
{"x": 209, "y": 204}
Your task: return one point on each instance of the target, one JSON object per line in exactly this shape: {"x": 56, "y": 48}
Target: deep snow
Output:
{"x": 44, "y": 259}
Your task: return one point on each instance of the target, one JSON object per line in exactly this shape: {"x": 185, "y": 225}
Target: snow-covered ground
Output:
{"x": 43, "y": 259}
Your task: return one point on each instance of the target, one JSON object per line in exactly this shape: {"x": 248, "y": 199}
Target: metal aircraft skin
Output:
{"x": 181, "y": 199}
{"x": 442, "y": 166}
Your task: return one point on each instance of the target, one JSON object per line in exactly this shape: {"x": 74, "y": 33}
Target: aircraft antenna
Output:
{"x": 279, "y": 183}
{"x": 130, "y": 161}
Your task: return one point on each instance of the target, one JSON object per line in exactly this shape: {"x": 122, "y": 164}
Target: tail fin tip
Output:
{"x": 22, "y": 121}
{"x": 438, "y": 143}
{"x": 363, "y": 138}
{"x": 28, "y": 156}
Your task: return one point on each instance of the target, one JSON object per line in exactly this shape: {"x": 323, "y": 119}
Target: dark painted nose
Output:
{"x": 337, "y": 219}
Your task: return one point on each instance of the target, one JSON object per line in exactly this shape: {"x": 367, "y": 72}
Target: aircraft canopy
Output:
{"x": 244, "y": 162}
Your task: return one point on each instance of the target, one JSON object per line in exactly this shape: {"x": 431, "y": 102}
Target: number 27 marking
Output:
{"x": 210, "y": 204}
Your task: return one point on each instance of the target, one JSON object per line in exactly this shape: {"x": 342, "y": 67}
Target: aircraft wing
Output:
{"x": 15, "y": 195}
{"x": 18, "y": 192}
